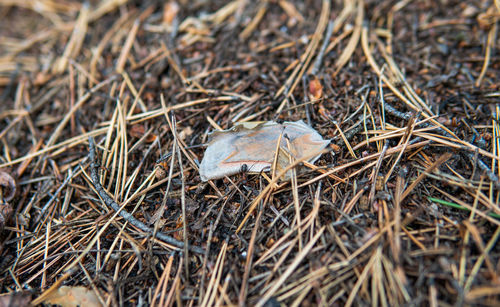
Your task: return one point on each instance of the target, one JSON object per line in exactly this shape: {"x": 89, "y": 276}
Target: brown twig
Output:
{"x": 127, "y": 216}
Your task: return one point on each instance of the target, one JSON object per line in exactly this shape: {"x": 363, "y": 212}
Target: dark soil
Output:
{"x": 403, "y": 209}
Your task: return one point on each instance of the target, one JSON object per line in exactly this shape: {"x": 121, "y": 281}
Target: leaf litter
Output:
{"x": 405, "y": 212}
{"x": 253, "y": 146}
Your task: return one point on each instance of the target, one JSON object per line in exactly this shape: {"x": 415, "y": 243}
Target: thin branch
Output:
{"x": 127, "y": 216}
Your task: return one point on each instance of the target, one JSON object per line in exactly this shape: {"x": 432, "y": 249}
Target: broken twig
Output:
{"x": 127, "y": 216}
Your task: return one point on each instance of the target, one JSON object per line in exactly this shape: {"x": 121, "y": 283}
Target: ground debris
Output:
{"x": 401, "y": 208}
{"x": 253, "y": 146}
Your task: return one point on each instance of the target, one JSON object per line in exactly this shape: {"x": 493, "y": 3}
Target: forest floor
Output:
{"x": 402, "y": 208}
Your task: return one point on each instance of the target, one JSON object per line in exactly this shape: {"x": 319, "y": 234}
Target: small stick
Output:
{"x": 377, "y": 169}
{"x": 321, "y": 54}
{"x": 70, "y": 175}
{"x": 307, "y": 106}
{"x": 127, "y": 216}
{"x": 183, "y": 202}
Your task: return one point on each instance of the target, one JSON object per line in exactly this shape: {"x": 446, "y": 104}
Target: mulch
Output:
{"x": 106, "y": 108}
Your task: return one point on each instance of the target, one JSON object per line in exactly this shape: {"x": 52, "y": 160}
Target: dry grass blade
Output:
{"x": 162, "y": 284}
{"x": 248, "y": 265}
{"x": 290, "y": 269}
{"x": 402, "y": 208}
{"x": 75, "y": 42}
{"x": 306, "y": 58}
{"x": 212, "y": 286}
{"x": 490, "y": 44}
{"x": 434, "y": 165}
{"x": 255, "y": 21}
{"x": 120, "y": 63}
{"x": 271, "y": 184}
{"x": 477, "y": 265}
{"x": 353, "y": 41}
